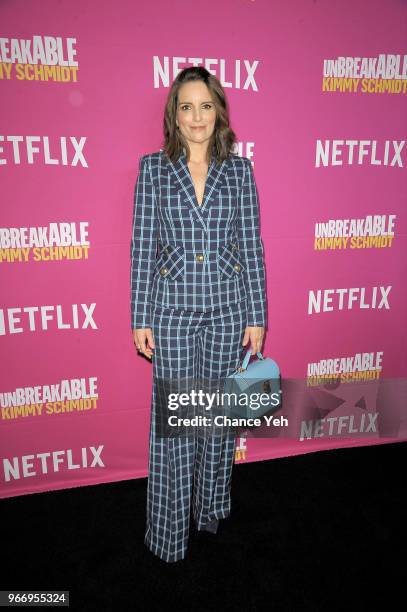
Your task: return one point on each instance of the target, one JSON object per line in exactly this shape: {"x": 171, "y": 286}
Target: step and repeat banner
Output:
{"x": 317, "y": 96}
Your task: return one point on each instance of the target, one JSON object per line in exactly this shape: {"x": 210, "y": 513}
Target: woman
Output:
{"x": 196, "y": 303}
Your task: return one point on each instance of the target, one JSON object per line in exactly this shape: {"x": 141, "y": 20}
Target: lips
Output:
{"x": 197, "y": 127}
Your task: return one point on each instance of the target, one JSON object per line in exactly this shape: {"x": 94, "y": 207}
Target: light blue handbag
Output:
{"x": 249, "y": 382}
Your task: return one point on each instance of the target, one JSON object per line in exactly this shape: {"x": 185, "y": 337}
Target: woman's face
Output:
{"x": 195, "y": 108}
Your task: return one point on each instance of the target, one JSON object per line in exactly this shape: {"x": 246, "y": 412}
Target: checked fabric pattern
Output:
{"x": 193, "y": 257}
{"x": 195, "y": 471}
{"x": 197, "y": 280}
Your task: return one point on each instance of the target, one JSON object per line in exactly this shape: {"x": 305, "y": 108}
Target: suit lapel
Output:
{"x": 181, "y": 179}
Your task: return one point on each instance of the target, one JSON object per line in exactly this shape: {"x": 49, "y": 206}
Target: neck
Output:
{"x": 198, "y": 153}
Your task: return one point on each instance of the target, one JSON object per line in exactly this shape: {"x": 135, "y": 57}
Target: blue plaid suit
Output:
{"x": 208, "y": 256}
{"x": 197, "y": 279}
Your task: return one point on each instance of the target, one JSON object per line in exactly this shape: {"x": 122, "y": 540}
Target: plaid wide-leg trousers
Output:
{"x": 194, "y": 472}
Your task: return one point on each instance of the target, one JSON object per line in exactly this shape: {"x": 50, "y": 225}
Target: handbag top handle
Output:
{"x": 247, "y": 358}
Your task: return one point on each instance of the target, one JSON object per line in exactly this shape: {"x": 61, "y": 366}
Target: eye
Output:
{"x": 186, "y": 106}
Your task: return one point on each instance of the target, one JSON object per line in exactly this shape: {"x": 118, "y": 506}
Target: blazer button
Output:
{"x": 163, "y": 271}
{"x": 237, "y": 267}
{"x": 199, "y": 257}
{"x": 234, "y": 247}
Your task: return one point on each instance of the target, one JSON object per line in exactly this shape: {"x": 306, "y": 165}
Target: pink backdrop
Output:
{"x": 127, "y": 55}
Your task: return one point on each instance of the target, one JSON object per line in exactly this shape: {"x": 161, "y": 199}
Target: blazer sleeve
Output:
{"x": 251, "y": 249}
{"x": 143, "y": 246}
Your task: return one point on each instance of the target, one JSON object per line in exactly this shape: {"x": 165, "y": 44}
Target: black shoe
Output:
{"x": 212, "y": 526}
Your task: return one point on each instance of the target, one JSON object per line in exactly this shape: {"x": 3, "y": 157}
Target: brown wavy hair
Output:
{"x": 223, "y": 138}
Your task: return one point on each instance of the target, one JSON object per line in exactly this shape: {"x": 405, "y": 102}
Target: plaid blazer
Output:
{"x": 195, "y": 257}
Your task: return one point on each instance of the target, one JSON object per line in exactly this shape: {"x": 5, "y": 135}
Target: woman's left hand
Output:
{"x": 255, "y": 335}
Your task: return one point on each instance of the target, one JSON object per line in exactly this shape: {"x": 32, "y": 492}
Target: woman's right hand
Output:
{"x": 144, "y": 341}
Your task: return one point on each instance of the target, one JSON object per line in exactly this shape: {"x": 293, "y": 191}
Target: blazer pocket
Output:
{"x": 229, "y": 263}
{"x": 170, "y": 262}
